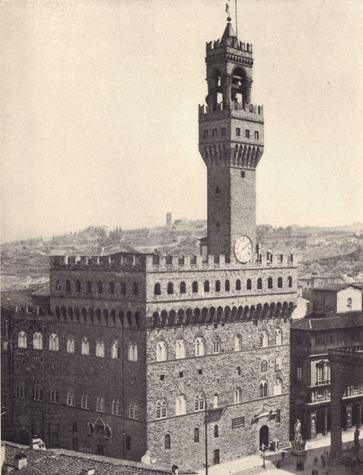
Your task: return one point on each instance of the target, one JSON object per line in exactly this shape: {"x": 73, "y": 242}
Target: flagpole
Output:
{"x": 206, "y": 439}
{"x": 236, "y": 18}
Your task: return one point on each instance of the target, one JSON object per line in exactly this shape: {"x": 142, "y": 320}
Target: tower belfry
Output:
{"x": 231, "y": 143}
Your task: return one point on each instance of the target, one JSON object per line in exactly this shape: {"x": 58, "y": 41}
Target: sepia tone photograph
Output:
{"x": 181, "y": 237}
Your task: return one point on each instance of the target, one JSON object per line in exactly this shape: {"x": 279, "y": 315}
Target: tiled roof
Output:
{"x": 338, "y": 320}
{"x": 10, "y": 298}
{"x": 67, "y": 462}
{"x": 43, "y": 291}
{"x": 335, "y": 287}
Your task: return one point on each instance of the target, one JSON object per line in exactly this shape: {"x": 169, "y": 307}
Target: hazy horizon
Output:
{"x": 100, "y": 111}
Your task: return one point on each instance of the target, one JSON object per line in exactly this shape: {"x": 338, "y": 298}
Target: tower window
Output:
{"x": 257, "y": 135}
{"x": 223, "y": 131}
{"x": 238, "y": 284}
{"x": 205, "y": 134}
{"x": 238, "y": 131}
{"x": 243, "y": 173}
{"x": 167, "y": 442}
{"x": 259, "y": 284}
{"x": 227, "y": 286}
{"x": 157, "y": 290}
{"x": 217, "y": 190}
{"x": 279, "y": 282}
{"x": 247, "y": 134}
{"x": 182, "y": 287}
{"x": 195, "y": 287}
{"x": 206, "y": 286}
{"x": 218, "y": 286}
{"x": 170, "y": 288}
{"x": 249, "y": 284}
{"x": 214, "y": 133}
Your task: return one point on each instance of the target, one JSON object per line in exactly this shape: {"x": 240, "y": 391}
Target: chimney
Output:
{"x": 20, "y": 461}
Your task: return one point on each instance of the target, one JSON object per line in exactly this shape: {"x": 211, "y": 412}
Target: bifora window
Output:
{"x": 199, "y": 403}
{"x": 71, "y": 401}
{"x": 116, "y": 350}
{"x": 161, "y": 351}
{"x": 37, "y": 341}
{"x": 100, "y": 404}
{"x": 161, "y": 409}
{"x": 263, "y": 389}
{"x": 85, "y": 401}
{"x": 199, "y": 347}
{"x": 53, "y": 342}
{"x": 22, "y": 340}
{"x": 38, "y": 393}
{"x": 116, "y": 407}
{"x": 133, "y": 410}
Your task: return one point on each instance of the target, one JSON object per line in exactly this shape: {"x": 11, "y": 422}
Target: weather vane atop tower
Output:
{"x": 228, "y": 12}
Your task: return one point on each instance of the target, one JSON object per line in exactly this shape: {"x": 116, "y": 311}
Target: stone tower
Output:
{"x": 231, "y": 143}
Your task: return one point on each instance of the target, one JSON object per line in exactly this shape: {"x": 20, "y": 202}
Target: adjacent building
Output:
{"x": 311, "y": 340}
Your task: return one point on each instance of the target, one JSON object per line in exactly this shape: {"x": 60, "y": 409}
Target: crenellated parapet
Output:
{"x": 124, "y": 261}
{"x": 232, "y": 42}
{"x": 233, "y": 110}
{"x": 167, "y": 263}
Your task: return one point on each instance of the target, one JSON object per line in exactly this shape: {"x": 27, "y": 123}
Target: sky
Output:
{"x": 99, "y": 111}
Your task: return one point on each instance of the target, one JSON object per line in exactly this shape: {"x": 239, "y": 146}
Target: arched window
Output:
{"x": 132, "y": 353}
{"x": 100, "y": 287}
{"x": 263, "y": 366}
{"x": 227, "y": 286}
{"x": 167, "y": 442}
{"x": 277, "y": 387}
{"x": 22, "y": 340}
{"x": 279, "y": 282}
{"x": 249, "y": 284}
{"x": 58, "y": 286}
{"x": 37, "y": 341}
{"x": 278, "y": 364}
{"x": 270, "y": 283}
{"x": 180, "y": 406}
{"x": 116, "y": 350}
{"x": 263, "y": 339}
{"x": 89, "y": 287}
{"x": 238, "y": 284}
{"x": 70, "y": 344}
{"x": 263, "y": 389}
{"x": 100, "y": 349}
{"x": 199, "y": 403}
{"x": 289, "y": 281}
{"x": 100, "y": 404}
{"x": 117, "y": 407}
{"x": 53, "y": 342}
{"x": 216, "y": 432}
{"x": 170, "y": 288}
{"x": 195, "y": 287}
{"x": 135, "y": 288}
{"x": 22, "y": 391}
{"x": 133, "y": 410}
{"x": 161, "y": 351}
{"x": 68, "y": 286}
{"x": 71, "y": 400}
{"x": 216, "y": 401}
{"x": 196, "y": 434}
{"x": 85, "y": 346}
{"x": 278, "y": 337}
{"x": 218, "y": 286}
{"x": 183, "y": 288}
{"x": 180, "y": 349}
{"x": 157, "y": 289}
{"x": 237, "y": 343}
{"x": 78, "y": 286}
{"x": 199, "y": 346}
{"x": 237, "y": 396}
{"x": 216, "y": 346}
{"x": 278, "y": 416}
{"x": 259, "y": 284}
{"x": 349, "y": 302}
{"x": 206, "y": 286}
{"x": 85, "y": 401}
{"x": 54, "y": 396}
{"x": 123, "y": 288}
{"x": 38, "y": 393}
{"x": 161, "y": 409}
{"x": 111, "y": 287}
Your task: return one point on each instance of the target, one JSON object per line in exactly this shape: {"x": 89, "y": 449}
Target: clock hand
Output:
{"x": 244, "y": 247}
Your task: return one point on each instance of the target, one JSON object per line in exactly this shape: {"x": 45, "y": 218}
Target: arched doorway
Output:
{"x": 264, "y": 436}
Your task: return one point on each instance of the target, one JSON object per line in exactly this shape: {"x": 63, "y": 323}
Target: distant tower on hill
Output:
{"x": 231, "y": 142}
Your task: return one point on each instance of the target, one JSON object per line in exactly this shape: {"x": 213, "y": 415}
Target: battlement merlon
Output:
{"x": 235, "y": 109}
{"x": 158, "y": 263}
{"x": 227, "y": 45}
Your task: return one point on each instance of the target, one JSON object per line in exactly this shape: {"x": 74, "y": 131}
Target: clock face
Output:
{"x": 243, "y": 249}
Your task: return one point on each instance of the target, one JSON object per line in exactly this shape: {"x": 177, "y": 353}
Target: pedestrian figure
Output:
{"x": 315, "y": 461}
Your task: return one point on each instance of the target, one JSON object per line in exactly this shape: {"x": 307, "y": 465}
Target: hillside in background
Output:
{"x": 323, "y": 251}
